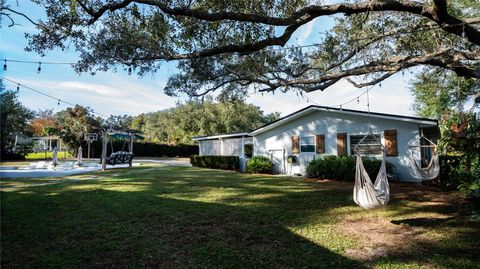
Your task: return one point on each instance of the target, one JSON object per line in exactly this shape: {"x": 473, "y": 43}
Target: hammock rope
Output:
{"x": 366, "y": 194}
{"x": 433, "y": 169}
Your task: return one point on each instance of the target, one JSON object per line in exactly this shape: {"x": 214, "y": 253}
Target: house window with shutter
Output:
{"x": 295, "y": 144}
{"x": 307, "y": 144}
{"x": 391, "y": 142}
{"x": 342, "y": 144}
{"x": 320, "y": 143}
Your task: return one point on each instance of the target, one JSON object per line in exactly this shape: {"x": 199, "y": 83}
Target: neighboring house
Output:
{"x": 316, "y": 130}
{"x": 47, "y": 143}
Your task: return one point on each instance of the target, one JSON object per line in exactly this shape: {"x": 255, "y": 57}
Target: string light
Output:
{"x": 39, "y": 69}
{"x": 47, "y": 95}
{"x": 358, "y": 100}
{"x": 5, "y": 65}
{"x": 18, "y": 88}
{"x": 129, "y": 71}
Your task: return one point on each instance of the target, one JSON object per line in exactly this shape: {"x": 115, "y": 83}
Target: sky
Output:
{"x": 117, "y": 93}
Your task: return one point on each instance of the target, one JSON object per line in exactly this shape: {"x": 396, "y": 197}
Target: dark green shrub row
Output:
{"x": 343, "y": 167}
{"x": 217, "y": 162}
{"x": 144, "y": 149}
{"x": 260, "y": 165}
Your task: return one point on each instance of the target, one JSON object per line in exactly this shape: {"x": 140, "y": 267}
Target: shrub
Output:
{"x": 144, "y": 149}
{"x": 217, "y": 162}
{"x": 343, "y": 167}
{"x": 457, "y": 175}
{"x": 260, "y": 165}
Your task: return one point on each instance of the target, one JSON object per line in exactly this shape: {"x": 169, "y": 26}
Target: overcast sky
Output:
{"x": 118, "y": 93}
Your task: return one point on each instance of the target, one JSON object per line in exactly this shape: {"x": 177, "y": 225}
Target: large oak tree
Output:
{"x": 238, "y": 44}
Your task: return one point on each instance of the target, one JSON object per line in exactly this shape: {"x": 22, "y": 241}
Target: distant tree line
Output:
{"x": 173, "y": 126}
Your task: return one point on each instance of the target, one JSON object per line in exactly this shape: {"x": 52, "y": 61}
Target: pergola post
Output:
{"x": 104, "y": 150}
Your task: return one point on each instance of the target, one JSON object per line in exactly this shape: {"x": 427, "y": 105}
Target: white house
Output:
{"x": 316, "y": 130}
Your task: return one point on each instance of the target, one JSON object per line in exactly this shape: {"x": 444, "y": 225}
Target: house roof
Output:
{"x": 200, "y": 138}
{"x": 312, "y": 108}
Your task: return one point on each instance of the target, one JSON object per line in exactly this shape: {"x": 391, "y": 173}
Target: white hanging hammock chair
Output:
{"x": 366, "y": 194}
{"x": 433, "y": 169}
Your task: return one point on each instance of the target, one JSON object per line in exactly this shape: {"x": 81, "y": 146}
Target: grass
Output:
{"x": 180, "y": 217}
{"x": 41, "y": 155}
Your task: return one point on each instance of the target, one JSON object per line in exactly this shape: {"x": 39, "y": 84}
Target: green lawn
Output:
{"x": 180, "y": 217}
{"x": 48, "y": 154}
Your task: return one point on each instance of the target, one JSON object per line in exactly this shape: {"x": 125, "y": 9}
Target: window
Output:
{"x": 370, "y": 145}
{"x": 307, "y": 144}
{"x": 248, "y": 150}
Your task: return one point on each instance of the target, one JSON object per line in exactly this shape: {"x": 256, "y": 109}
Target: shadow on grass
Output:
{"x": 54, "y": 226}
{"x": 190, "y": 218}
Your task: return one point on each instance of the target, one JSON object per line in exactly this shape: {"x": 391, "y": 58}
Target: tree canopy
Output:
{"x": 232, "y": 46}
{"x": 195, "y": 118}
{"x": 14, "y": 120}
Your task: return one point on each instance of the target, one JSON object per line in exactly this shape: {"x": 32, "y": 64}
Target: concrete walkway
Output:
{"x": 13, "y": 172}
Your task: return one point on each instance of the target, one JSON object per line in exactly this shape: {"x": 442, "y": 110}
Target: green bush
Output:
{"x": 455, "y": 175}
{"x": 260, "y": 165}
{"x": 217, "y": 162}
{"x": 143, "y": 149}
{"x": 343, "y": 167}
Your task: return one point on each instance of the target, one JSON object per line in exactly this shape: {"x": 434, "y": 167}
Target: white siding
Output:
{"x": 331, "y": 123}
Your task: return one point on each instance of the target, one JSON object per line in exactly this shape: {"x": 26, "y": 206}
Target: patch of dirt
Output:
{"x": 380, "y": 237}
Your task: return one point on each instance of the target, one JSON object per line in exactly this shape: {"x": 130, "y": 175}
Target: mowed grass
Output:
{"x": 48, "y": 155}
{"x": 181, "y": 217}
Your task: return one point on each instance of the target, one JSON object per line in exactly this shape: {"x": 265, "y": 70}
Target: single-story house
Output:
{"x": 318, "y": 130}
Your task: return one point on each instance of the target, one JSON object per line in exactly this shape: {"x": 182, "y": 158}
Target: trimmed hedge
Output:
{"x": 343, "y": 167}
{"x": 260, "y": 165}
{"x": 144, "y": 149}
{"x": 217, "y": 162}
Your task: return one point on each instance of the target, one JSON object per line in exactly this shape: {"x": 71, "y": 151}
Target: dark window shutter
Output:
{"x": 342, "y": 144}
{"x": 320, "y": 143}
{"x": 295, "y": 144}
{"x": 391, "y": 142}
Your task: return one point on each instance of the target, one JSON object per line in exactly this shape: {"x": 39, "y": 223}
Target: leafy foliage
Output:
{"x": 77, "y": 121}
{"x": 343, "y": 167}
{"x": 14, "y": 120}
{"x": 224, "y": 45}
{"x": 45, "y": 123}
{"x": 217, "y": 162}
{"x": 260, "y": 165}
{"x": 195, "y": 118}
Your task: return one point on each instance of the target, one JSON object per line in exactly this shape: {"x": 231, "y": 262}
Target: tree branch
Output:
{"x": 438, "y": 13}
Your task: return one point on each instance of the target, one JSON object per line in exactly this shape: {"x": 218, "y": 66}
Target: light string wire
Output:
{"x": 59, "y": 100}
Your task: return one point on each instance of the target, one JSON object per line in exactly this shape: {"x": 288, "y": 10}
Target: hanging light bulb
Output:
{"x": 129, "y": 70}
{"x": 380, "y": 84}
{"x": 358, "y": 100}
{"x": 340, "y": 107}
{"x": 18, "y": 88}
{"x": 39, "y": 69}
{"x": 58, "y": 102}
{"x": 5, "y": 66}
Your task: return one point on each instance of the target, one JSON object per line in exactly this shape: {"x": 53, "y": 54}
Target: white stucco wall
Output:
{"x": 274, "y": 142}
